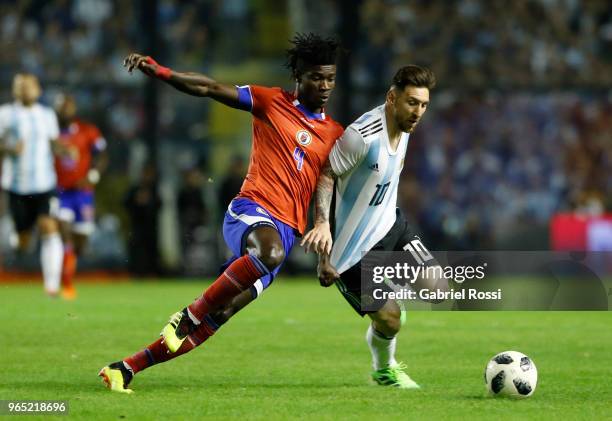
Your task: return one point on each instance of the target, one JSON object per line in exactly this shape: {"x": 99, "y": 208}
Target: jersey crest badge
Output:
{"x": 303, "y": 137}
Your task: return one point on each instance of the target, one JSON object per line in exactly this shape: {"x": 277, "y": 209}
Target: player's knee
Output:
{"x": 48, "y": 225}
{"x": 22, "y": 244}
{"x": 271, "y": 256}
{"x": 388, "y": 321}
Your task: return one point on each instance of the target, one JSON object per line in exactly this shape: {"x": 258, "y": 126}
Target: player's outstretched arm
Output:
{"x": 319, "y": 238}
{"x": 191, "y": 83}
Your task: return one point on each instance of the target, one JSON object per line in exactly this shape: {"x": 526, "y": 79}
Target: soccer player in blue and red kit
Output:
{"x": 77, "y": 174}
{"x": 292, "y": 138}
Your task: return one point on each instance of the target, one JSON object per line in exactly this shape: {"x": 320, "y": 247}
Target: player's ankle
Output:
{"x": 187, "y": 325}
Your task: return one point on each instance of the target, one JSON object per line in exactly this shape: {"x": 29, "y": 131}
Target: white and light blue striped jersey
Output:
{"x": 32, "y": 171}
{"x": 366, "y": 189}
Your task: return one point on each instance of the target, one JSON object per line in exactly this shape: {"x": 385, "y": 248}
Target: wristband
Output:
{"x": 161, "y": 72}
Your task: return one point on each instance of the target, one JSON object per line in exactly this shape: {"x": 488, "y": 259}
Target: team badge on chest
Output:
{"x": 303, "y": 137}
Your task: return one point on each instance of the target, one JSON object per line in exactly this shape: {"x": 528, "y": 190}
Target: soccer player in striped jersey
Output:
{"x": 28, "y": 141}
{"x": 77, "y": 175}
{"x": 292, "y": 137}
{"x": 366, "y": 163}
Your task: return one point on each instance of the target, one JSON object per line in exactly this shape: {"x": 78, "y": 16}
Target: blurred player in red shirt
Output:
{"x": 77, "y": 174}
{"x": 292, "y": 138}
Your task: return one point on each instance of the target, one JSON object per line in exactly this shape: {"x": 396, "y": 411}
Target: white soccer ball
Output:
{"x": 511, "y": 374}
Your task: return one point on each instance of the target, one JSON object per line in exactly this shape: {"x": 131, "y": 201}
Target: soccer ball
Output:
{"x": 511, "y": 374}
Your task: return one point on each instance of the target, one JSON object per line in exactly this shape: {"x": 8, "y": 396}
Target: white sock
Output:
{"x": 51, "y": 259}
{"x": 382, "y": 349}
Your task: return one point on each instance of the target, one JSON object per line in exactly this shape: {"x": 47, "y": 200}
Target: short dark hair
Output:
{"x": 413, "y": 75}
{"x": 311, "y": 50}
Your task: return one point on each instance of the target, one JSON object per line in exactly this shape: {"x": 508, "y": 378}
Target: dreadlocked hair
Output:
{"x": 311, "y": 50}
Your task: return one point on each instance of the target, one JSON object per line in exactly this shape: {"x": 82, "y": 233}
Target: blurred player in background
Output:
{"x": 28, "y": 141}
{"x": 77, "y": 174}
{"x": 292, "y": 138}
{"x": 367, "y": 162}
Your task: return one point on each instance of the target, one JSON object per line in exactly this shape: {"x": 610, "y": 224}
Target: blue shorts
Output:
{"x": 242, "y": 217}
{"x": 77, "y": 208}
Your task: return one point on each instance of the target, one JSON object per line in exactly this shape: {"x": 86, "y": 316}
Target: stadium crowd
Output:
{"x": 520, "y": 125}
{"x": 500, "y": 44}
{"x": 485, "y": 170}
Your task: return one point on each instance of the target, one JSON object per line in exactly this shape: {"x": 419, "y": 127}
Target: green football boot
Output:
{"x": 394, "y": 376}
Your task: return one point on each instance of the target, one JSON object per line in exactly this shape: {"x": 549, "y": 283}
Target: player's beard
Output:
{"x": 408, "y": 127}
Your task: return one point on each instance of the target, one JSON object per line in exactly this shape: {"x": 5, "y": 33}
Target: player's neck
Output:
{"x": 64, "y": 124}
{"x": 27, "y": 104}
{"x": 393, "y": 130}
{"x": 313, "y": 110}
{"x": 304, "y": 104}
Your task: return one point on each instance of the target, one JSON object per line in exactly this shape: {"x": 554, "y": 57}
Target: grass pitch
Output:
{"x": 297, "y": 352}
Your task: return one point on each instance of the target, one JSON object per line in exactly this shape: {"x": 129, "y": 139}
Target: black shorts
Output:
{"x": 349, "y": 283}
{"x": 25, "y": 209}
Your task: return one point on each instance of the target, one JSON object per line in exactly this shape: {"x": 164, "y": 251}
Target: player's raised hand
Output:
{"x": 137, "y": 61}
{"x": 147, "y": 65}
{"x": 318, "y": 239}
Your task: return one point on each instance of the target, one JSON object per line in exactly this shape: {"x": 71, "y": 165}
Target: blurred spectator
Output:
{"x": 142, "y": 203}
{"x": 232, "y": 182}
{"x": 190, "y": 205}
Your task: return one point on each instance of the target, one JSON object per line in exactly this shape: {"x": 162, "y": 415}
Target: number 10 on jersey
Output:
{"x": 379, "y": 195}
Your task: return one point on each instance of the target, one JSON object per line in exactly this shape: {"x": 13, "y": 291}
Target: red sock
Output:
{"x": 239, "y": 276}
{"x": 69, "y": 266}
{"x": 157, "y": 352}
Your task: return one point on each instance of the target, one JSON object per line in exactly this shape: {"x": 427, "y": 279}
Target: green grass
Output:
{"x": 297, "y": 352}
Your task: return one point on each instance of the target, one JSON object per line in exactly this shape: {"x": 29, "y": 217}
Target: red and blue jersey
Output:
{"x": 82, "y": 139}
{"x": 290, "y": 147}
